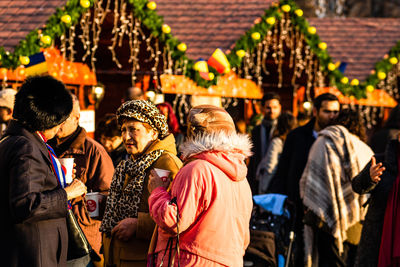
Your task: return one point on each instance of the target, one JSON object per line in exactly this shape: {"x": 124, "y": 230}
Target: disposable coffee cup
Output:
{"x": 92, "y": 203}
{"x": 68, "y": 164}
{"x": 162, "y": 173}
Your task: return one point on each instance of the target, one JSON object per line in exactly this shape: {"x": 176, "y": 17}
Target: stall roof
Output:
{"x": 360, "y": 42}
{"x": 205, "y": 25}
{"x": 20, "y": 17}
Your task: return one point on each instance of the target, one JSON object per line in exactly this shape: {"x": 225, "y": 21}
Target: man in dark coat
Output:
{"x": 94, "y": 168}
{"x": 294, "y": 159}
{"x": 379, "y": 190}
{"x": 261, "y": 135}
{"x": 34, "y": 206}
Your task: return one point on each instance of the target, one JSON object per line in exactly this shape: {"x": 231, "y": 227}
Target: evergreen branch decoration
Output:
{"x": 146, "y": 12}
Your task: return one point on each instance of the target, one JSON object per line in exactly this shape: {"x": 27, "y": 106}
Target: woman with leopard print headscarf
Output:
{"x": 127, "y": 226}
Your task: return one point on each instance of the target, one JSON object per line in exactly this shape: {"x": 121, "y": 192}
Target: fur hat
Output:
{"x": 7, "y": 98}
{"x": 210, "y": 119}
{"x": 42, "y": 103}
{"x": 143, "y": 111}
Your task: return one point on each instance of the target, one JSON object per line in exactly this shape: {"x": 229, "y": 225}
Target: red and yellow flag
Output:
{"x": 219, "y": 61}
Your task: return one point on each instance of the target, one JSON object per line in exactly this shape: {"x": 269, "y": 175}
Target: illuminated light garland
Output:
{"x": 288, "y": 14}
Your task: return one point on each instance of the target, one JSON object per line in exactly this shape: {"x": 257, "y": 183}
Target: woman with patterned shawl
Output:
{"x": 127, "y": 226}
{"x": 333, "y": 211}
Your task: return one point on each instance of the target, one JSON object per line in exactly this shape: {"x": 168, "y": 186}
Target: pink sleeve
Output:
{"x": 192, "y": 196}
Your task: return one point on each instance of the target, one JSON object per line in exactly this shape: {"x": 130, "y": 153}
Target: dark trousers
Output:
{"x": 328, "y": 252}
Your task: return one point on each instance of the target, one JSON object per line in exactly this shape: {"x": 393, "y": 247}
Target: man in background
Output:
{"x": 261, "y": 135}
{"x": 294, "y": 159}
{"x": 94, "y": 168}
{"x": 7, "y": 97}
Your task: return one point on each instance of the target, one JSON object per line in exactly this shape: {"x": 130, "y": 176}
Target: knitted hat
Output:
{"x": 143, "y": 111}
{"x": 7, "y": 98}
{"x": 209, "y": 119}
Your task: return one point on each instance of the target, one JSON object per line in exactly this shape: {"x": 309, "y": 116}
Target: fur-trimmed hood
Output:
{"x": 227, "y": 152}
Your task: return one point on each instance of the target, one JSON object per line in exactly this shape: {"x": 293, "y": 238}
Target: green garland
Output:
{"x": 247, "y": 43}
{"x": 59, "y": 23}
{"x": 54, "y": 28}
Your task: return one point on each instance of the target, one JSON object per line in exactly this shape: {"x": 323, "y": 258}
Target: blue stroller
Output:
{"x": 271, "y": 232}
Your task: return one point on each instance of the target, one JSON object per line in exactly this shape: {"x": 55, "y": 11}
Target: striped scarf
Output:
{"x": 56, "y": 166}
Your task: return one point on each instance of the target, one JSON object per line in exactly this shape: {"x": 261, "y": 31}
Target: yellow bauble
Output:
{"x": 344, "y": 80}
{"x": 256, "y": 35}
{"x": 331, "y": 66}
{"x": 165, "y": 28}
{"x": 211, "y": 76}
{"x": 66, "y": 19}
{"x": 241, "y": 53}
{"x": 182, "y": 47}
{"x": 322, "y": 45}
{"x": 393, "y": 60}
{"x": 312, "y": 30}
{"x": 0, "y": 57}
{"x": 354, "y": 82}
{"x": 24, "y": 60}
{"x": 299, "y": 12}
{"x": 271, "y": 20}
{"x": 381, "y": 75}
{"x": 45, "y": 39}
{"x": 196, "y": 66}
{"x": 285, "y": 8}
{"x": 151, "y": 5}
{"x": 370, "y": 88}
{"x": 85, "y": 3}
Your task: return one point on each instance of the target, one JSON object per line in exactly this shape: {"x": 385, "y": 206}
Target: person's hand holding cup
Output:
{"x": 75, "y": 189}
{"x": 158, "y": 178}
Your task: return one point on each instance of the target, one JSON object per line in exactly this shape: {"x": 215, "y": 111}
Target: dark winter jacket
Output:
{"x": 34, "y": 207}
{"x": 293, "y": 161}
{"x": 368, "y": 249}
{"x": 286, "y": 180}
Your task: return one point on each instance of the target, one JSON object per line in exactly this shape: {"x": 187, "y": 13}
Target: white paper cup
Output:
{"x": 93, "y": 203}
{"x": 68, "y": 164}
{"x": 162, "y": 173}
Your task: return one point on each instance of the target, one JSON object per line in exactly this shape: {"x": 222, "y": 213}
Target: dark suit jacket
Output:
{"x": 34, "y": 206}
{"x": 368, "y": 249}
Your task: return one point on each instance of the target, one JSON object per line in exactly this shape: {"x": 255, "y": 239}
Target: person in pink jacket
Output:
{"x": 210, "y": 193}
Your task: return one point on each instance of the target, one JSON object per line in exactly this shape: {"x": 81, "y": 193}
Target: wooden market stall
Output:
{"x": 76, "y": 76}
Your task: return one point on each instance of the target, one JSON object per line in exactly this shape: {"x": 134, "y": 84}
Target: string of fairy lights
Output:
{"x": 281, "y": 34}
